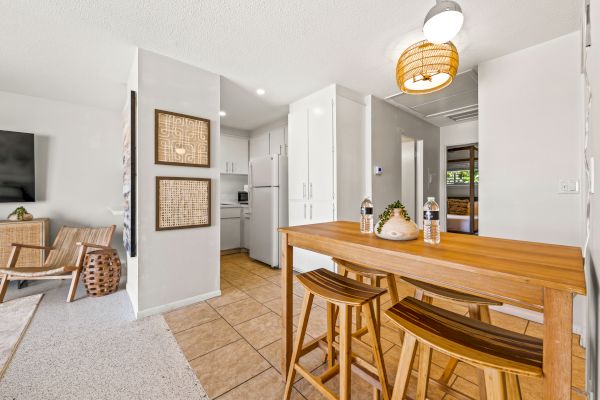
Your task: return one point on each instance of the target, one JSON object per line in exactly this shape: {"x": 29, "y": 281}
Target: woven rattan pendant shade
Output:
{"x": 426, "y": 67}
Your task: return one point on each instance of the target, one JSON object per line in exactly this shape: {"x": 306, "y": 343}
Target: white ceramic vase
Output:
{"x": 397, "y": 228}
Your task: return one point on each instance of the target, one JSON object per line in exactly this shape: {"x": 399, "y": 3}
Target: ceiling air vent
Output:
{"x": 455, "y": 103}
{"x": 464, "y": 116}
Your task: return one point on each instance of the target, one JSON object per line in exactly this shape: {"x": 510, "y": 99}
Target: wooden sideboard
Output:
{"x": 34, "y": 232}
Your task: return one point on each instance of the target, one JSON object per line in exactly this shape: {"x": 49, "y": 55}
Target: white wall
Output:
{"x": 453, "y": 135}
{"x": 78, "y": 161}
{"x": 530, "y": 137}
{"x": 176, "y": 267}
{"x": 593, "y": 256}
{"x": 388, "y": 124}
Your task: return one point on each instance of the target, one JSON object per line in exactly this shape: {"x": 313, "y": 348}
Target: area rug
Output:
{"x": 15, "y": 316}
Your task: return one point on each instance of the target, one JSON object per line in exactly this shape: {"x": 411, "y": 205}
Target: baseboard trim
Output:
{"x": 533, "y": 316}
{"x": 176, "y": 304}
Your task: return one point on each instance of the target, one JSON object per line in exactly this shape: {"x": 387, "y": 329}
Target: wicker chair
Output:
{"x": 64, "y": 261}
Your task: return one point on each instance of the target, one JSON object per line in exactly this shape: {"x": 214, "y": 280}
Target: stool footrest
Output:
{"x": 315, "y": 382}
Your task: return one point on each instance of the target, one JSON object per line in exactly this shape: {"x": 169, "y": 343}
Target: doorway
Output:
{"x": 462, "y": 188}
{"x": 412, "y": 178}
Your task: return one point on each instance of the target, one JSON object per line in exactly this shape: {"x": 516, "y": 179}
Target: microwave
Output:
{"x": 242, "y": 197}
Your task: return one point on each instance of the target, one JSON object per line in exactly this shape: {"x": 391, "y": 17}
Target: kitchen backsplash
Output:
{"x": 230, "y": 185}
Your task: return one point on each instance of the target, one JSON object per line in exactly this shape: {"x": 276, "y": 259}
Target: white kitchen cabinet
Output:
{"x": 273, "y": 141}
{"x": 325, "y": 186}
{"x": 234, "y": 155}
{"x": 246, "y": 231}
{"x": 231, "y": 228}
{"x": 259, "y": 146}
{"x": 277, "y": 141}
{"x": 298, "y": 155}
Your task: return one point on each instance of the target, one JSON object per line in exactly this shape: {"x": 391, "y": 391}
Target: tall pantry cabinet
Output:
{"x": 326, "y": 172}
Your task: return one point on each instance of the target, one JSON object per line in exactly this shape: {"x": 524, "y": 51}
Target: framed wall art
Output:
{"x": 181, "y": 139}
{"x": 129, "y": 176}
{"x": 182, "y": 203}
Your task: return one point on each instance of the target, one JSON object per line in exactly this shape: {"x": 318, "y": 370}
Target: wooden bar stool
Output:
{"x": 478, "y": 309}
{"x": 375, "y": 278}
{"x": 344, "y": 293}
{"x": 502, "y": 354}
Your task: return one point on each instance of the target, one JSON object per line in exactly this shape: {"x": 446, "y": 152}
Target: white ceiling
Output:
{"x": 81, "y": 50}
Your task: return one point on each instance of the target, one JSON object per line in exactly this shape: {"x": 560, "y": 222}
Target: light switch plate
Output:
{"x": 568, "y": 186}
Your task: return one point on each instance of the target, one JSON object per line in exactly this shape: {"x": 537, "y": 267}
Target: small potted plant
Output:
{"x": 20, "y": 214}
{"x": 395, "y": 224}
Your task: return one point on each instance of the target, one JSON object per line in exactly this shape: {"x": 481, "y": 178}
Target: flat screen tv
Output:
{"x": 17, "y": 167}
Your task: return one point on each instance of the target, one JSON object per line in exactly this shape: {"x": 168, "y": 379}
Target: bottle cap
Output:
{"x": 431, "y": 199}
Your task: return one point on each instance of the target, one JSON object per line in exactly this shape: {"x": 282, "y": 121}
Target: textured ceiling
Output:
{"x": 80, "y": 50}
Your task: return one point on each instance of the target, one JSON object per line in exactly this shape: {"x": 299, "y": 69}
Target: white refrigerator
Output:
{"x": 268, "y": 207}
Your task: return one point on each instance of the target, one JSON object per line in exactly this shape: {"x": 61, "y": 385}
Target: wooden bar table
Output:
{"x": 536, "y": 276}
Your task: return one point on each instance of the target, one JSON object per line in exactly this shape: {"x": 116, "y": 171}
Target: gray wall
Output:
{"x": 388, "y": 124}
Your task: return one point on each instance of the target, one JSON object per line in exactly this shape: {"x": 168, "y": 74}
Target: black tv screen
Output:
{"x": 17, "y": 167}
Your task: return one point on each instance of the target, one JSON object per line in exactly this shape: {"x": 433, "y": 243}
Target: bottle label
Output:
{"x": 366, "y": 210}
{"x": 431, "y": 215}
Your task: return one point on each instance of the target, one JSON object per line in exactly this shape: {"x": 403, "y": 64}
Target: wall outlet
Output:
{"x": 568, "y": 186}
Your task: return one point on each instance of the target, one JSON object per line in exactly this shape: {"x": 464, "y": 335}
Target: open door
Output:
{"x": 462, "y": 187}
{"x": 412, "y": 178}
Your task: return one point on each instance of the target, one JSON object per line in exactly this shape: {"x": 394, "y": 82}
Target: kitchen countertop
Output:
{"x": 233, "y": 204}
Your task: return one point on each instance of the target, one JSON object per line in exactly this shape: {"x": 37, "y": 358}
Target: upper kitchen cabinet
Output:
{"x": 259, "y": 146}
{"x": 278, "y": 141}
{"x": 234, "y": 155}
{"x": 269, "y": 141}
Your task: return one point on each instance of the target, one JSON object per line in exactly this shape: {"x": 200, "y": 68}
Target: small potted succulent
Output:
{"x": 20, "y": 214}
{"x": 395, "y": 224}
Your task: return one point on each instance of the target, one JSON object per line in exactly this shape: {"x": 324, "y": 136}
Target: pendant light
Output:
{"x": 426, "y": 67}
{"x": 443, "y": 21}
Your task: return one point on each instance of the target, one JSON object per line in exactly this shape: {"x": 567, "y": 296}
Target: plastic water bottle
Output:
{"x": 366, "y": 216}
{"x": 431, "y": 221}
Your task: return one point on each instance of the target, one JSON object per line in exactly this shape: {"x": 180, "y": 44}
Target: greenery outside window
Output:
{"x": 460, "y": 177}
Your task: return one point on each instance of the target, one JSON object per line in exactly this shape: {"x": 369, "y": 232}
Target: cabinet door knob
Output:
{"x": 310, "y": 192}
{"x": 303, "y": 191}
{"x": 311, "y": 211}
{"x": 304, "y": 210}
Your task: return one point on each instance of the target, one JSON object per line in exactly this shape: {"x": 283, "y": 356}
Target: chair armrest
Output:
{"x": 94, "y": 246}
{"x": 31, "y": 246}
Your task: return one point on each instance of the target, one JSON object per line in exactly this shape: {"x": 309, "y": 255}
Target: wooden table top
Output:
{"x": 547, "y": 265}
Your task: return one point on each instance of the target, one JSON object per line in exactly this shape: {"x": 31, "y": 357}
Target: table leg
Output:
{"x": 287, "y": 328}
{"x": 558, "y": 324}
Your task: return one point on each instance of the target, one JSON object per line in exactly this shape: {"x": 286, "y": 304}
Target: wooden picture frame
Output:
{"x": 182, "y": 202}
{"x": 181, "y": 139}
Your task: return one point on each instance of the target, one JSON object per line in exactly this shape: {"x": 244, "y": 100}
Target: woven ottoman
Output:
{"x": 101, "y": 272}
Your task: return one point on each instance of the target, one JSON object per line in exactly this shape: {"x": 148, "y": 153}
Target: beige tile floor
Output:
{"x": 233, "y": 341}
